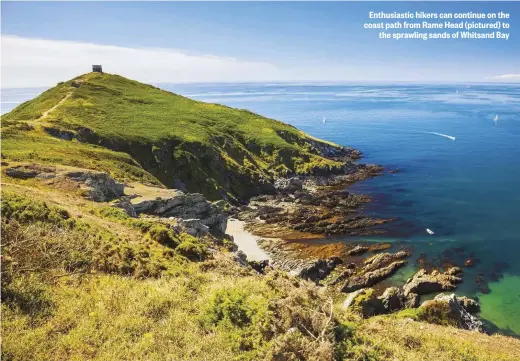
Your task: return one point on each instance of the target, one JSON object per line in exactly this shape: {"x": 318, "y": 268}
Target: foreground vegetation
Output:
{"x": 96, "y": 285}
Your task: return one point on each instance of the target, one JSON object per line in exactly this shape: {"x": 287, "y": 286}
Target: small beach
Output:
{"x": 245, "y": 241}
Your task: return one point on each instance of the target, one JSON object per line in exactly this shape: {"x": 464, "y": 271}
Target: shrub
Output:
{"x": 112, "y": 213}
{"x": 160, "y": 233}
{"x": 192, "y": 248}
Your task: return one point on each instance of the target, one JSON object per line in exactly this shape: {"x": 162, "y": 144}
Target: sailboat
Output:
{"x": 495, "y": 119}
{"x": 324, "y": 120}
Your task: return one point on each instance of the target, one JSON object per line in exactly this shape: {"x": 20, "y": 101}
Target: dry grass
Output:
{"x": 407, "y": 340}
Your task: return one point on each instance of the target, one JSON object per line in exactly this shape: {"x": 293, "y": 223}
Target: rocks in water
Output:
{"x": 469, "y": 304}
{"x": 194, "y": 211}
{"x": 423, "y": 283}
{"x": 314, "y": 204}
{"x": 97, "y": 186}
{"x": 448, "y": 309}
{"x": 357, "y": 250}
{"x": 470, "y": 262}
{"x": 375, "y": 269}
{"x": 319, "y": 269}
{"x": 310, "y": 268}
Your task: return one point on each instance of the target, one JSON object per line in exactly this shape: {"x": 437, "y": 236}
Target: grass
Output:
{"x": 34, "y": 147}
{"x": 72, "y": 289}
{"x": 145, "y": 133}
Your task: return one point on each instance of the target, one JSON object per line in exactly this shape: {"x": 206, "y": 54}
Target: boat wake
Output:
{"x": 442, "y": 135}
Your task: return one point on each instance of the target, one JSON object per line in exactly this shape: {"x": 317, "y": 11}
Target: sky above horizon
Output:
{"x": 176, "y": 42}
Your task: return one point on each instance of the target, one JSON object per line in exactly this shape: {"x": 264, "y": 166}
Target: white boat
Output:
{"x": 324, "y": 120}
{"x": 429, "y": 231}
{"x": 495, "y": 119}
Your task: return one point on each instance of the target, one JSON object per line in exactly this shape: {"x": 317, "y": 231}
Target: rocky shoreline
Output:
{"x": 305, "y": 209}
{"x": 288, "y": 225}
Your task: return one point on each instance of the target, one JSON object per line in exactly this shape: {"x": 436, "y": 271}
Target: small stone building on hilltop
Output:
{"x": 97, "y": 69}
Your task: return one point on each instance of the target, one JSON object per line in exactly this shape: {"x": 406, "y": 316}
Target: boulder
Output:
{"x": 342, "y": 276}
{"x": 364, "y": 302}
{"x": 126, "y": 205}
{"x": 423, "y": 283}
{"x": 319, "y": 269}
{"x": 194, "y": 211}
{"x": 288, "y": 184}
{"x": 30, "y": 171}
{"x": 357, "y": 250}
{"x": 97, "y": 186}
{"x": 392, "y": 299}
{"x": 21, "y": 173}
{"x": 411, "y": 300}
{"x": 469, "y": 304}
{"x": 193, "y": 226}
{"x": 259, "y": 266}
{"x": 241, "y": 258}
{"x": 447, "y": 309}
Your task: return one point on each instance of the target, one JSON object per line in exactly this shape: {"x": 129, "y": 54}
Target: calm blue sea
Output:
{"x": 466, "y": 191}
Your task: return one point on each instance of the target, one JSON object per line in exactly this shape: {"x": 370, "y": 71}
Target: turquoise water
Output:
{"x": 466, "y": 191}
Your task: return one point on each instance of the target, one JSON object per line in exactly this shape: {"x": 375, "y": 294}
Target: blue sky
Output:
{"x": 254, "y": 41}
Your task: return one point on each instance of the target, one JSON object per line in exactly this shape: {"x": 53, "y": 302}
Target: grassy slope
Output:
{"x": 211, "y": 148}
{"x": 64, "y": 277}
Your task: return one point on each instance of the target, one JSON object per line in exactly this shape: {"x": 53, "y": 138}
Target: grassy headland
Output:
{"x": 210, "y": 148}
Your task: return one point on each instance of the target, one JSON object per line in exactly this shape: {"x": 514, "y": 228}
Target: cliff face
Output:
{"x": 218, "y": 151}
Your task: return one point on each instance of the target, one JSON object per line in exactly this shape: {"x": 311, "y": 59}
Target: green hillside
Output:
{"x": 210, "y": 148}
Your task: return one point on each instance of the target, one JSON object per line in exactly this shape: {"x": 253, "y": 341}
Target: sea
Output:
{"x": 457, "y": 149}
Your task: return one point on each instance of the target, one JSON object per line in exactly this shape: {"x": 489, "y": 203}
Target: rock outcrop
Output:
{"x": 364, "y": 302}
{"x": 27, "y": 171}
{"x": 288, "y": 184}
{"x": 97, "y": 186}
{"x": 449, "y": 309}
{"x": 392, "y": 299}
{"x": 375, "y": 269}
{"x": 319, "y": 269}
{"x": 423, "y": 283}
{"x": 191, "y": 210}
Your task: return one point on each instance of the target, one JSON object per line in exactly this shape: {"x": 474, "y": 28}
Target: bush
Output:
{"x": 192, "y": 248}
{"x": 229, "y": 307}
{"x": 24, "y": 210}
{"x": 160, "y": 233}
{"x": 112, "y": 213}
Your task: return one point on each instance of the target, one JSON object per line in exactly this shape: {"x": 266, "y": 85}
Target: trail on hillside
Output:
{"x": 45, "y": 113}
